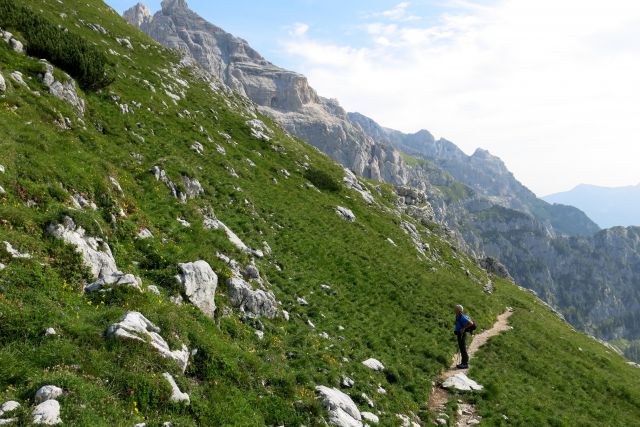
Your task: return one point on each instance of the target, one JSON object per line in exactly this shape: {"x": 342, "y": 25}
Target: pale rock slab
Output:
{"x": 96, "y": 255}
{"x": 343, "y": 412}
{"x": 8, "y": 406}
{"x": 370, "y": 417}
{"x": 47, "y": 413}
{"x": 134, "y": 326}
{"x": 373, "y": 364}
{"x": 176, "y": 395}
{"x": 47, "y": 392}
{"x": 345, "y": 213}
{"x": 461, "y": 382}
{"x": 199, "y": 284}
{"x": 254, "y": 301}
{"x": 14, "y": 252}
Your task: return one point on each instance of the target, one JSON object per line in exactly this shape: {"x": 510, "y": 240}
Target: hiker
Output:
{"x": 463, "y": 325}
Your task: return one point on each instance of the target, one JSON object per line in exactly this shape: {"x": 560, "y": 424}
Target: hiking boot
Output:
{"x": 462, "y": 366}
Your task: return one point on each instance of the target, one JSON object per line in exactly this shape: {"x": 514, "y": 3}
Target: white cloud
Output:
{"x": 550, "y": 86}
{"x": 398, "y": 13}
{"x": 298, "y": 29}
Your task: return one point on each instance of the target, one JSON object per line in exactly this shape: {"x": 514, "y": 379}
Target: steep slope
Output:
{"x": 281, "y": 94}
{"x": 609, "y": 207}
{"x": 166, "y": 171}
{"x": 487, "y": 211}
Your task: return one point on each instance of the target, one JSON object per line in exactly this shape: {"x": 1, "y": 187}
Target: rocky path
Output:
{"x": 467, "y": 414}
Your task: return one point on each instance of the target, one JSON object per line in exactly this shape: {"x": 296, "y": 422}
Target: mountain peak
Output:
{"x": 137, "y": 15}
{"x": 173, "y": 6}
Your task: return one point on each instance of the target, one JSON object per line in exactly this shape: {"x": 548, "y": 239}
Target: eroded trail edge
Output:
{"x": 467, "y": 414}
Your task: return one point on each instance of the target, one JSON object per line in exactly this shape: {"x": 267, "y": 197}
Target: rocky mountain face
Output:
{"x": 609, "y": 207}
{"x": 281, "y": 94}
{"x": 478, "y": 200}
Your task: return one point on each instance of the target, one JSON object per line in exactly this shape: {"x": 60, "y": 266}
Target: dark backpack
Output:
{"x": 472, "y": 326}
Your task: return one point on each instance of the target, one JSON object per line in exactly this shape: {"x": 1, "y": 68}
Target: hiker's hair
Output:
{"x": 459, "y": 307}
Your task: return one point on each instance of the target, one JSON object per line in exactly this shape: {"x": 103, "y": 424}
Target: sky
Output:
{"x": 550, "y": 86}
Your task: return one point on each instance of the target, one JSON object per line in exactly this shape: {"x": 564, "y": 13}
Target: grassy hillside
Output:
{"x": 385, "y": 301}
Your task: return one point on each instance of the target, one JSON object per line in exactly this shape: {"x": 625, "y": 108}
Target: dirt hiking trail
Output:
{"x": 467, "y": 414}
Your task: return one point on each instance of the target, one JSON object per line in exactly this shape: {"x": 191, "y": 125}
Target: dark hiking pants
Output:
{"x": 462, "y": 344}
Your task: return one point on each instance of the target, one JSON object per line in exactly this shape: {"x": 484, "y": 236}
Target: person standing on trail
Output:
{"x": 462, "y": 327}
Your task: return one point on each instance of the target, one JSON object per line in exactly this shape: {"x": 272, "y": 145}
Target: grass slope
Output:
{"x": 392, "y": 305}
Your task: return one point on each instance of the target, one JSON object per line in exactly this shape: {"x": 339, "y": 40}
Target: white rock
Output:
{"x": 366, "y": 398}
{"x": 351, "y": 181}
{"x": 381, "y": 390}
{"x": 48, "y": 392}
{"x": 17, "y": 77}
{"x": 215, "y": 224}
{"x": 473, "y": 422}
{"x": 198, "y": 147}
{"x": 153, "y": 289}
{"x": 2, "y": 266}
{"x": 406, "y": 421}
{"x": 3, "y": 84}
{"x": 15, "y": 253}
{"x": 310, "y": 323}
{"x": 285, "y": 315}
{"x": 199, "y": 283}
{"x": 17, "y": 45}
{"x": 96, "y": 255}
{"x": 177, "y": 299}
{"x": 47, "y": 413}
{"x": 343, "y": 412}
{"x": 7, "y": 421}
{"x": 145, "y": 234}
{"x": 255, "y": 301}
{"x": 184, "y": 222}
{"x": 345, "y": 213}
{"x": 8, "y": 406}
{"x": 441, "y": 421}
{"x": 370, "y": 417}
{"x": 135, "y": 326}
{"x": 461, "y": 382}
{"x": 2, "y": 169}
{"x": 302, "y": 301}
{"x": 259, "y": 130}
{"x": 2, "y": 190}
{"x": 116, "y": 184}
{"x": 176, "y": 395}
{"x": 49, "y": 332}
{"x": 259, "y": 334}
{"x": 374, "y": 364}
{"x": 347, "y": 382}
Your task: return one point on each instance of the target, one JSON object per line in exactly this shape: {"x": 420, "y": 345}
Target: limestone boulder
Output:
{"x": 199, "y": 284}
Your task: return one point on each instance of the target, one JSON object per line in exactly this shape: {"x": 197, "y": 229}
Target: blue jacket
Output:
{"x": 461, "y": 322}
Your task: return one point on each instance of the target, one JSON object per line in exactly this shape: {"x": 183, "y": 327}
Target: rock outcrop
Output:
{"x": 65, "y": 90}
{"x": 343, "y": 412}
{"x": 134, "y": 326}
{"x": 47, "y": 413}
{"x": 257, "y": 302}
{"x": 96, "y": 255}
{"x": 177, "y": 396}
{"x": 199, "y": 284}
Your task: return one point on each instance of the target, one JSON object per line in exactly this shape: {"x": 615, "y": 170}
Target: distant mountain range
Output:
{"x": 607, "y": 206}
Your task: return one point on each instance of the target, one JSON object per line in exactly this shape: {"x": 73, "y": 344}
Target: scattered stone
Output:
{"x": 176, "y": 395}
{"x": 351, "y": 181}
{"x": 15, "y": 253}
{"x": 80, "y": 202}
{"x": 259, "y": 130}
{"x": 133, "y": 325}
{"x": 8, "y": 406}
{"x": 3, "y": 84}
{"x": 65, "y": 91}
{"x": 461, "y": 382}
{"x": 310, "y": 323}
{"x": 161, "y": 175}
{"x": 381, "y": 389}
{"x": 347, "y": 382}
{"x": 392, "y": 242}
{"x": 493, "y": 266}
{"x": 183, "y": 222}
{"x": 212, "y": 223}
{"x": 116, "y": 185}
{"x": 366, "y": 398}
{"x": 441, "y": 421}
{"x": 153, "y": 289}
{"x": 257, "y": 302}
{"x": 17, "y": 77}
{"x": 192, "y": 187}
{"x": 220, "y": 149}
{"x": 199, "y": 284}
{"x": 144, "y": 233}
{"x": 259, "y": 334}
{"x": 47, "y": 413}
{"x": 17, "y": 45}
{"x": 373, "y": 364}
{"x": 125, "y": 42}
{"x": 343, "y": 412}
{"x": 302, "y": 301}
{"x": 47, "y": 392}
{"x": 49, "y": 332}
{"x": 370, "y": 417}
{"x": 473, "y": 422}
{"x": 2, "y": 169}
{"x": 345, "y": 213}
{"x": 96, "y": 255}
{"x": 285, "y": 314}
{"x": 198, "y": 148}
{"x": 177, "y": 299}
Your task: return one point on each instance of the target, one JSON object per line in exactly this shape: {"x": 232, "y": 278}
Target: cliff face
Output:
{"x": 281, "y": 94}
